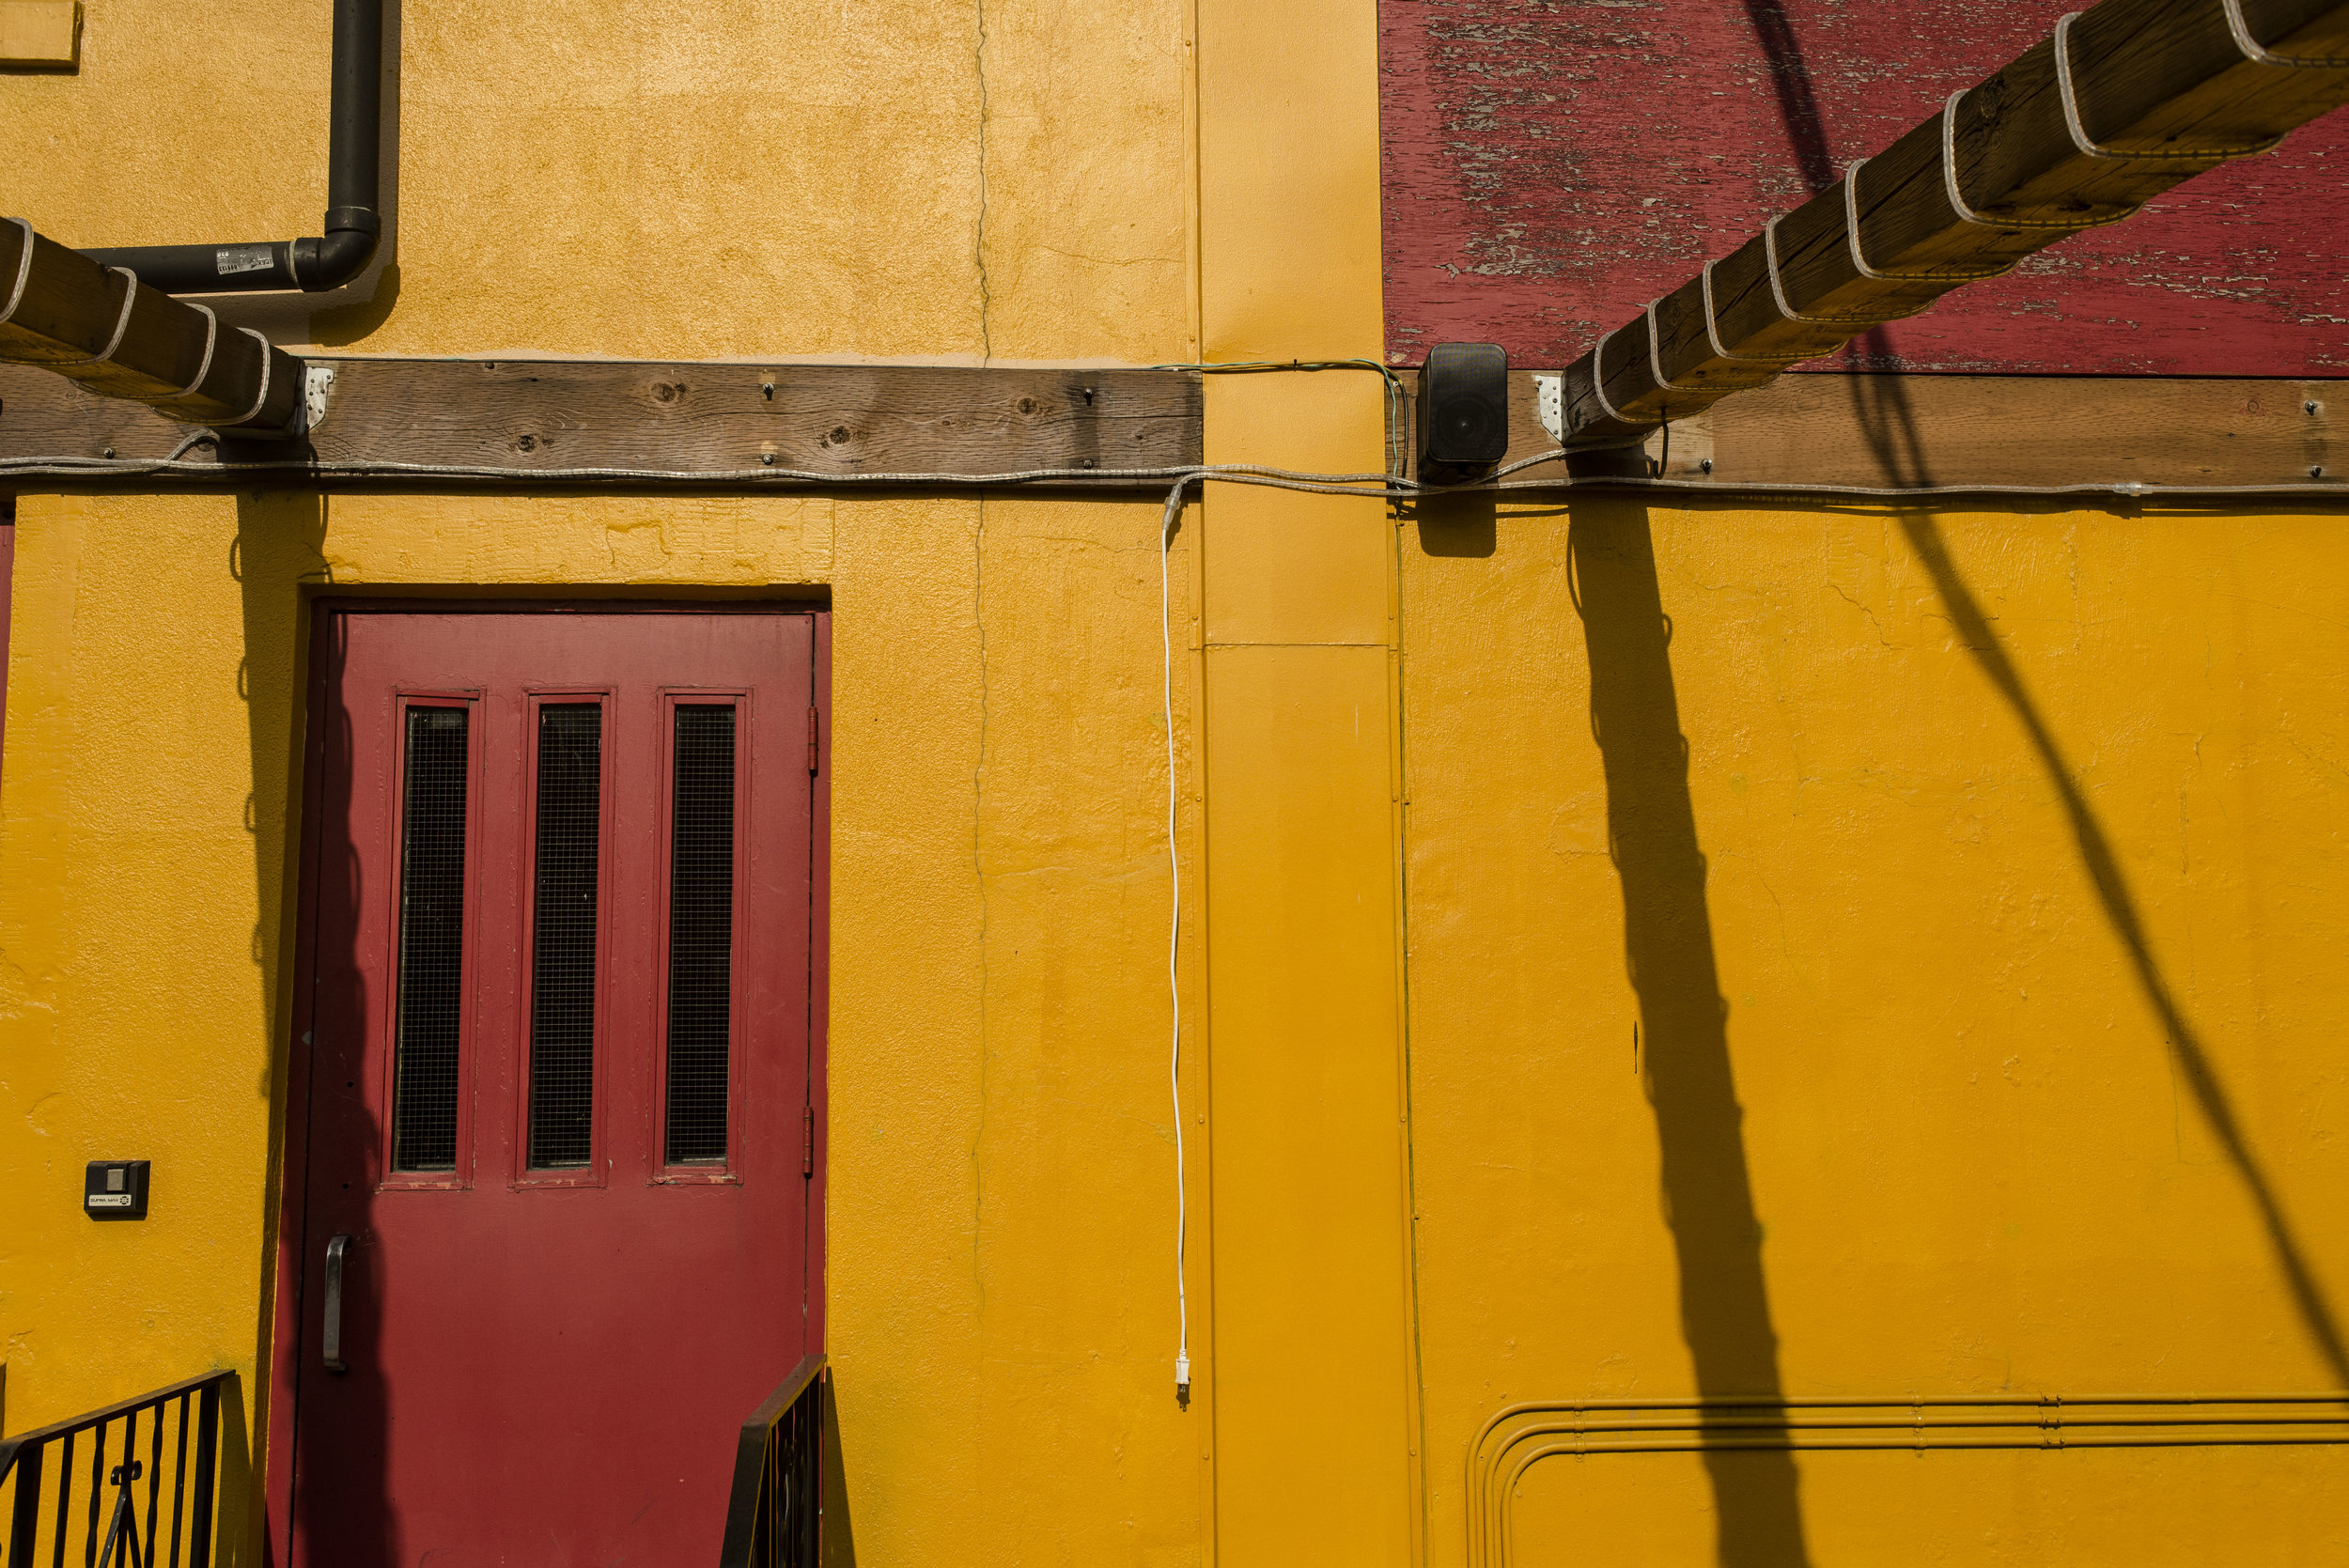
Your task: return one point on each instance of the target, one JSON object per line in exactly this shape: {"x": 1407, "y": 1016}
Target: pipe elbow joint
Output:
{"x": 349, "y": 244}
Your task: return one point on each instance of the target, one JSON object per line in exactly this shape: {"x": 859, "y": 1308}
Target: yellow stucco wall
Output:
{"x": 777, "y": 182}
{"x": 1955, "y": 1015}
{"x": 731, "y": 180}
{"x": 1312, "y": 1378}
{"x": 998, "y": 926}
{"x": 2006, "y": 839}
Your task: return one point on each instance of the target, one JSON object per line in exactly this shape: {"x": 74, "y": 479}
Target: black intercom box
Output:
{"x": 115, "y": 1189}
{"x": 1463, "y": 412}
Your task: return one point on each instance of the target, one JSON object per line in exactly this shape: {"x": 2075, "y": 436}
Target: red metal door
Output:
{"x": 559, "y": 1095}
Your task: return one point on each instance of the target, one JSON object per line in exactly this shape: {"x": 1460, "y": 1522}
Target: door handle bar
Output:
{"x": 332, "y": 1340}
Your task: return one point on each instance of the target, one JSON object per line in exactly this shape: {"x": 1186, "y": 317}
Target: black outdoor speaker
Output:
{"x": 1463, "y": 412}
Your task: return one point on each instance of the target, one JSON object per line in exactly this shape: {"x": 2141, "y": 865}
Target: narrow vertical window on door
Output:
{"x": 430, "y": 1009}
{"x": 701, "y": 933}
{"x": 564, "y": 905}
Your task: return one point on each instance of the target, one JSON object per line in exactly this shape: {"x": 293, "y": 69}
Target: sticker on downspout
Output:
{"x": 233, "y": 259}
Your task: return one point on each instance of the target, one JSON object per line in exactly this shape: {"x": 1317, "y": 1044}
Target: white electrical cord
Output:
{"x": 1173, "y": 516}
{"x": 1371, "y": 486}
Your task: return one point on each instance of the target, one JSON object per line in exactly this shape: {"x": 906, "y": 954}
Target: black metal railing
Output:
{"x": 775, "y": 1515}
{"x": 115, "y": 1518}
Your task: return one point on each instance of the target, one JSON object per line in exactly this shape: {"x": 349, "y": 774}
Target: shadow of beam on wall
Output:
{"x": 278, "y": 547}
{"x": 1797, "y": 100}
{"x": 1683, "y": 1018}
{"x": 1892, "y": 432}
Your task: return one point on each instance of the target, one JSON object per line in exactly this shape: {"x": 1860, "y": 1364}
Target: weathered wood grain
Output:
{"x": 1934, "y": 431}
{"x": 528, "y": 420}
{"x": 1550, "y": 168}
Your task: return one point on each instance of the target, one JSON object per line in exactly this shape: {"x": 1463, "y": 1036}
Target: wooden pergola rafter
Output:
{"x": 2117, "y": 105}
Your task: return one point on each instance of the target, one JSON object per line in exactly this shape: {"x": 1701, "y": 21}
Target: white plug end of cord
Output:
{"x": 1182, "y": 1375}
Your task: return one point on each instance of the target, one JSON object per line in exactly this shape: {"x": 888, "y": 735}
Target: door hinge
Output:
{"x": 813, "y": 729}
{"x": 807, "y": 1145}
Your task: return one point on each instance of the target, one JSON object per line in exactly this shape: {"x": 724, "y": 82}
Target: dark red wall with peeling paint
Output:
{"x": 1551, "y": 165}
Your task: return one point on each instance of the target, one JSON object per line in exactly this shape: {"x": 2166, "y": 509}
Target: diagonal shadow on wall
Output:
{"x": 1891, "y": 429}
{"x": 1684, "y": 1020}
{"x": 1789, "y": 82}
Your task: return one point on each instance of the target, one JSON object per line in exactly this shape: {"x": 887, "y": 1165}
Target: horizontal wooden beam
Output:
{"x": 1917, "y": 433}
{"x": 2141, "y": 95}
{"x": 424, "y": 422}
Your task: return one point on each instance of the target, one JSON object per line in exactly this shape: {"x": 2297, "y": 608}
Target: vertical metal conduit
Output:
{"x": 354, "y": 225}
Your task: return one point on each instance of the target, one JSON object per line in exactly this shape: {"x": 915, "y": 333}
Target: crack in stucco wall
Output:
{"x": 978, "y": 238}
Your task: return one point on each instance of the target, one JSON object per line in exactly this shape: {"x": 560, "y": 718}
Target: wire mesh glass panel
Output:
{"x": 562, "y": 940}
{"x": 701, "y": 933}
{"x": 432, "y": 942}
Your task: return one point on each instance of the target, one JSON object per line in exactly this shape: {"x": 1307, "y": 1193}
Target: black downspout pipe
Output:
{"x": 354, "y": 225}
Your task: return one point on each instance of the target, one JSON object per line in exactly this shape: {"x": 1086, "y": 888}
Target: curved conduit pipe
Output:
{"x": 106, "y": 318}
{"x": 353, "y": 222}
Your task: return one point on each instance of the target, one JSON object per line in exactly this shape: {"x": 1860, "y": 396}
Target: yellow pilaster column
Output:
{"x": 1313, "y": 1395}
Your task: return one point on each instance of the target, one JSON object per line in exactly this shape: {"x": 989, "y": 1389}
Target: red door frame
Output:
{"x": 286, "y": 1278}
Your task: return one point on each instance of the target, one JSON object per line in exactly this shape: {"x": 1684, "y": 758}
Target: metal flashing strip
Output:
{"x": 24, "y": 269}
{"x": 1713, "y": 330}
{"x": 122, "y": 325}
{"x": 2094, "y": 218}
{"x": 1780, "y": 298}
{"x": 2260, "y": 54}
{"x": 260, "y": 398}
{"x": 1599, "y": 378}
{"x": 1656, "y": 358}
{"x": 203, "y": 366}
{"x": 1859, "y": 253}
{"x": 2089, "y": 147}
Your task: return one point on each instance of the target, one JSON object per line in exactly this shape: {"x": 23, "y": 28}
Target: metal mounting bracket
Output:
{"x": 1549, "y": 401}
{"x": 317, "y": 386}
